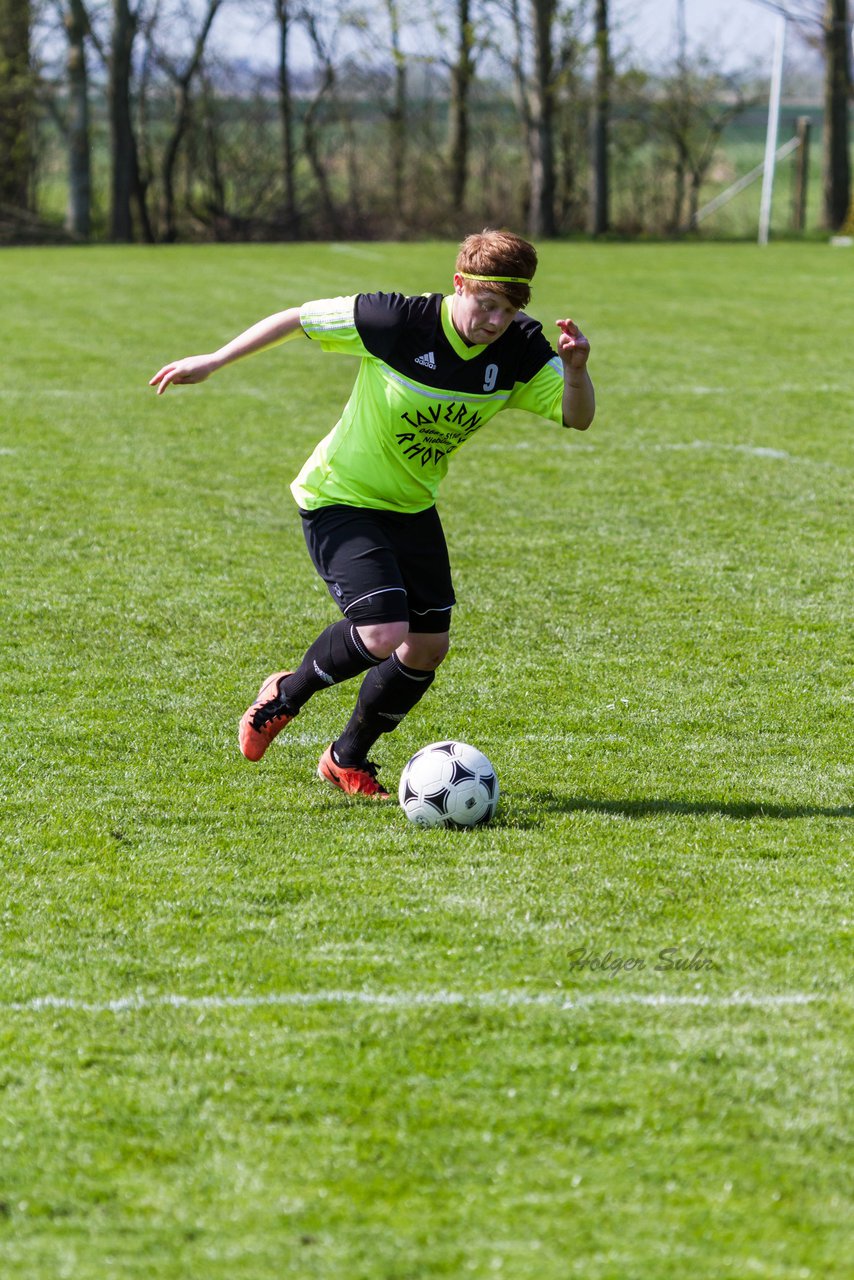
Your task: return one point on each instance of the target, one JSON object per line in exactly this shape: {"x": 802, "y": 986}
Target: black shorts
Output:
{"x": 383, "y": 566}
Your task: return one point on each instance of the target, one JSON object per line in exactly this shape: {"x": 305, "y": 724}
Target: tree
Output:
{"x": 182, "y": 78}
{"x": 127, "y": 188}
{"x": 574, "y": 122}
{"x": 122, "y": 140}
{"x": 75, "y": 122}
{"x": 534, "y": 75}
{"x": 284, "y": 20}
{"x": 690, "y": 111}
{"x": 397, "y": 112}
{"x": 827, "y": 24}
{"x": 837, "y": 92}
{"x": 599, "y": 172}
{"x": 16, "y": 104}
{"x": 462, "y": 78}
{"x": 78, "y": 130}
{"x": 123, "y": 154}
{"x": 541, "y": 139}
{"x": 323, "y": 49}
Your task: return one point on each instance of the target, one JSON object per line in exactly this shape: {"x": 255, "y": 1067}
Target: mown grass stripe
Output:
{"x": 398, "y": 1000}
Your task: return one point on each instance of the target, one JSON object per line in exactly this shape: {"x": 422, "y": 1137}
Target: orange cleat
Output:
{"x": 360, "y": 781}
{"x": 265, "y": 718}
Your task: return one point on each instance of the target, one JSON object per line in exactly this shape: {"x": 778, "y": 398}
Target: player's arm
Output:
{"x": 579, "y": 402}
{"x": 266, "y": 333}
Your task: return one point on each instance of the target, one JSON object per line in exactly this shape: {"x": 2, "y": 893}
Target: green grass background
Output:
{"x": 652, "y": 644}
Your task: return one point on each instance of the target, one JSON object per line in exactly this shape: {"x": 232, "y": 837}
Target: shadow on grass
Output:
{"x": 524, "y": 811}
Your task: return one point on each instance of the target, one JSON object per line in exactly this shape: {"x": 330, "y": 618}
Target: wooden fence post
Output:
{"x": 802, "y": 167}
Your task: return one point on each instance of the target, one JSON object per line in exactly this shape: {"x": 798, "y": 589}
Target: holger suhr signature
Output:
{"x": 667, "y": 959}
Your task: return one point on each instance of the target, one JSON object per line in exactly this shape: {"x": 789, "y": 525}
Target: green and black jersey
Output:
{"x": 421, "y": 392}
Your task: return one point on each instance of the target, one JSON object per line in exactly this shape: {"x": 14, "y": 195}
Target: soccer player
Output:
{"x": 433, "y": 370}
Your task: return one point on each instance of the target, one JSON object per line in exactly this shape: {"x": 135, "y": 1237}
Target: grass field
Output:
{"x": 251, "y": 1030}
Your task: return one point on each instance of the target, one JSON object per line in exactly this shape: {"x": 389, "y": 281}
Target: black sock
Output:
{"x": 387, "y": 694}
{"x": 337, "y": 654}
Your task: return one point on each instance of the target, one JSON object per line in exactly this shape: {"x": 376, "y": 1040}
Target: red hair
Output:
{"x": 499, "y": 253}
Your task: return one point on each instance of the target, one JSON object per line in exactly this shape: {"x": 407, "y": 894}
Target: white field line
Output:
{"x": 754, "y": 451}
{"x": 413, "y": 1000}
{"x": 632, "y": 390}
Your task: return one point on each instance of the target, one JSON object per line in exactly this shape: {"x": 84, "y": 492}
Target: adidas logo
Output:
{"x": 428, "y": 360}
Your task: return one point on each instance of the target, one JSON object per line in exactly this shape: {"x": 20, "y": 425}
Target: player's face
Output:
{"x": 480, "y": 316}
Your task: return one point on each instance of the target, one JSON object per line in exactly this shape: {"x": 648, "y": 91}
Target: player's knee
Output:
{"x": 382, "y": 638}
{"x": 424, "y": 652}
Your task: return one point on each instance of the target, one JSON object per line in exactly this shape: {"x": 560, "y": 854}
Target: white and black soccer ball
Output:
{"x": 448, "y": 784}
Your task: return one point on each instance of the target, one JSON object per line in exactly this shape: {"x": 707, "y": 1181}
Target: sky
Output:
{"x": 735, "y": 32}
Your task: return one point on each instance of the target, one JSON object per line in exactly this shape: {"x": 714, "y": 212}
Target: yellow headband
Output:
{"x": 466, "y": 275}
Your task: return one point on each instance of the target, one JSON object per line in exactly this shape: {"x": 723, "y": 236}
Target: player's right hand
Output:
{"x": 180, "y": 372}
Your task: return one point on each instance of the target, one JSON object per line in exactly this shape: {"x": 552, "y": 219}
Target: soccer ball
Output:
{"x": 448, "y": 784}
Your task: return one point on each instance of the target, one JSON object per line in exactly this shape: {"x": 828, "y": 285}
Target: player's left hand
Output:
{"x": 572, "y": 346}
{"x": 182, "y": 372}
